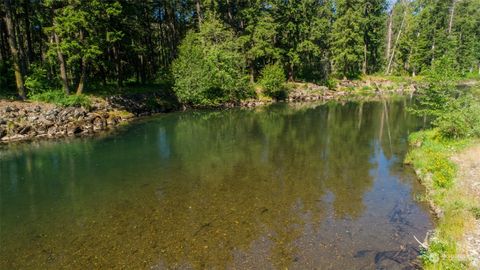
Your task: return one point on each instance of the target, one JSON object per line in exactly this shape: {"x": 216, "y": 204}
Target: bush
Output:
{"x": 442, "y": 169}
{"x": 273, "y": 81}
{"x": 37, "y": 82}
{"x": 461, "y": 123}
{"x": 456, "y": 113}
{"x": 60, "y": 98}
{"x": 462, "y": 119}
{"x": 441, "y": 89}
{"x": 438, "y": 256}
{"x": 209, "y": 69}
{"x": 331, "y": 83}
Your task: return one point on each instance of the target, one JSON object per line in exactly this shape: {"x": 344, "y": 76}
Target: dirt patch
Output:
{"x": 468, "y": 162}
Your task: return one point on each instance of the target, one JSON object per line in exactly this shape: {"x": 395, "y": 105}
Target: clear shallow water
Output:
{"x": 296, "y": 186}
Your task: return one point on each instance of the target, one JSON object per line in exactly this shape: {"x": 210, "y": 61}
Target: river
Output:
{"x": 297, "y": 186}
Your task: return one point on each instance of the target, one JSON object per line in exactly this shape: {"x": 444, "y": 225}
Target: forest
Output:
{"x": 212, "y": 51}
{"x": 213, "y": 176}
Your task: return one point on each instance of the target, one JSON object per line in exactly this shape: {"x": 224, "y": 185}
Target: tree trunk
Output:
{"x": 229, "y": 12}
{"x": 63, "y": 66}
{"x": 81, "y": 82}
{"x": 252, "y": 73}
{"x": 452, "y": 13}
{"x": 118, "y": 66}
{"x": 364, "y": 64}
{"x": 389, "y": 34}
{"x": 199, "y": 12}
{"x": 14, "y": 50}
{"x": 433, "y": 49}
{"x": 291, "y": 75}
{"x": 390, "y": 61}
{"x": 4, "y": 55}
{"x": 26, "y": 7}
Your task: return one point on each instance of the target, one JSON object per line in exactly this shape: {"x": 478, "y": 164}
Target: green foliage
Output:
{"x": 273, "y": 81}
{"x": 442, "y": 169}
{"x": 60, "y": 98}
{"x": 330, "y": 83}
{"x": 455, "y": 112}
{"x": 434, "y": 99}
{"x": 430, "y": 156}
{"x": 209, "y": 69}
{"x": 38, "y": 81}
{"x": 437, "y": 256}
{"x": 119, "y": 41}
{"x": 462, "y": 119}
{"x": 347, "y": 39}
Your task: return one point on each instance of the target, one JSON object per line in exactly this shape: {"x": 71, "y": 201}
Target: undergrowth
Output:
{"x": 430, "y": 156}
{"x": 60, "y": 98}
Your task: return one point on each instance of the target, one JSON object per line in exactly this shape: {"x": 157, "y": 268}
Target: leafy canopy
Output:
{"x": 210, "y": 68}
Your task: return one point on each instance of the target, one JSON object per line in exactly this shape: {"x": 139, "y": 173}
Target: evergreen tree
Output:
{"x": 65, "y": 42}
{"x": 374, "y": 17}
{"x": 347, "y": 39}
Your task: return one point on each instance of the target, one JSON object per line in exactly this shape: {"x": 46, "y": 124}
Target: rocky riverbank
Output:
{"x": 21, "y": 121}
{"x": 25, "y": 121}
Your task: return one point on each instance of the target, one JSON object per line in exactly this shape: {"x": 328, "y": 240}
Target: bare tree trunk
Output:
{"x": 63, "y": 66}
{"x": 389, "y": 34}
{"x": 291, "y": 75}
{"x": 199, "y": 12}
{"x": 26, "y": 7}
{"x": 118, "y": 66}
{"x": 252, "y": 73}
{"x": 433, "y": 49}
{"x": 229, "y": 11}
{"x": 390, "y": 61}
{"x": 14, "y": 50}
{"x": 81, "y": 82}
{"x": 452, "y": 13}
{"x": 3, "y": 42}
{"x": 364, "y": 64}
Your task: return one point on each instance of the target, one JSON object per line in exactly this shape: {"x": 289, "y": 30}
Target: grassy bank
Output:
{"x": 456, "y": 208}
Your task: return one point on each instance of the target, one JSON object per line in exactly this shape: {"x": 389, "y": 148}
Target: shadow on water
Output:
{"x": 298, "y": 186}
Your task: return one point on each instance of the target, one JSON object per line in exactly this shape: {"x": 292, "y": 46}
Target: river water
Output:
{"x": 299, "y": 186}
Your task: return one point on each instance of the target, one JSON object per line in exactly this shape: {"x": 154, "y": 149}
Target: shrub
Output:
{"x": 433, "y": 100}
{"x": 455, "y": 112}
{"x": 37, "y": 82}
{"x": 331, "y": 83}
{"x": 462, "y": 119}
{"x": 438, "y": 256}
{"x": 209, "y": 69}
{"x": 273, "y": 81}
{"x": 442, "y": 169}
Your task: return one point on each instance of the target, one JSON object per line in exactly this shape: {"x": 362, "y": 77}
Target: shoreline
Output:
{"x": 27, "y": 121}
{"x": 450, "y": 172}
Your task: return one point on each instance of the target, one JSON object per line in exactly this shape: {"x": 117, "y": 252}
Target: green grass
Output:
{"x": 60, "y": 98}
{"x": 430, "y": 156}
